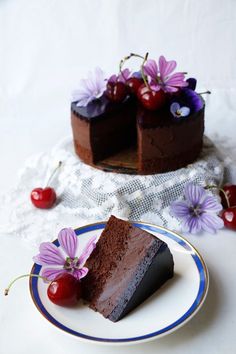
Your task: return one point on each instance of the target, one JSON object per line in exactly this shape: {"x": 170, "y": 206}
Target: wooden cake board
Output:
{"x": 125, "y": 161}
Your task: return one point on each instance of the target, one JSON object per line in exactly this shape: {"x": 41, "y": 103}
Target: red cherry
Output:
{"x": 230, "y": 191}
{"x": 150, "y": 99}
{"x": 43, "y": 198}
{"x": 229, "y": 218}
{"x": 116, "y": 91}
{"x": 65, "y": 290}
{"x": 133, "y": 84}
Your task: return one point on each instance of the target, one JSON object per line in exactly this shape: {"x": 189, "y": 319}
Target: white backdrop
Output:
{"x": 46, "y": 46}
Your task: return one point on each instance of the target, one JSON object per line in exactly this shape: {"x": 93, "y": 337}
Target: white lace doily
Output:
{"x": 89, "y": 195}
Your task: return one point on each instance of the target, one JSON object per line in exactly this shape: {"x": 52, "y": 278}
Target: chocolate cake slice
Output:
{"x": 127, "y": 266}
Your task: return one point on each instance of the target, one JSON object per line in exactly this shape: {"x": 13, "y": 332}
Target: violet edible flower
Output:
{"x": 179, "y": 111}
{"x": 199, "y": 211}
{"x": 160, "y": 76}
{"x": 55, "y": 263}
{"x": 123, "y": 76}
{"x": 90, "y": 89}
{"x": 192, "y": 99}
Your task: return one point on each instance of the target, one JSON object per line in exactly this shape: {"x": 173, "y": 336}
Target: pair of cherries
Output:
{"x": 152, "y": 100}
{"x": 228, "y": 200}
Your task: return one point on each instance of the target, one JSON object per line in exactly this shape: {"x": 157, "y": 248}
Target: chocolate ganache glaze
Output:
{"x": 127, "y": 265}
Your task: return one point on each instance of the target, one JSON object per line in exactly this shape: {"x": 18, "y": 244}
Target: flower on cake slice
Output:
{"x": 55, "y": 262}
{"x": 199, "y": 211}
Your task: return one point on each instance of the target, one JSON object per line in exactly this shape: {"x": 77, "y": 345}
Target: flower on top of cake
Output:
{"x": 154, "y": 86}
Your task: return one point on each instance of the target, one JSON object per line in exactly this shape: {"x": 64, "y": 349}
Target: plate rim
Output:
{"x": 186, "y": 317}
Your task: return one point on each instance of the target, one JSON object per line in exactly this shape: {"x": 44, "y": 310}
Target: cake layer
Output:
{"x": 109, "y": 128}
{"x": 165, "y": 144}
{"x": 127, "y": 265}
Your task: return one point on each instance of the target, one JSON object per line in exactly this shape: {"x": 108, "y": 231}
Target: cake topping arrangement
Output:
{"x": 154, "y": 84}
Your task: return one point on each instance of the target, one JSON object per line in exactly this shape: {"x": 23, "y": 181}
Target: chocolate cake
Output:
{"x": 163, "y": 123}
{"x": 127, "y": 266}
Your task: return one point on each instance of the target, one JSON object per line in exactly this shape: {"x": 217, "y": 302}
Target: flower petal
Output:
{"x": 177, "y": 80}
{"x": 195, "y": 224}
{"x": 184, "y": 111}
{"x": 211, "y": 204}
{"x": 124, "y": 75}
{"x": 166, "y": 67}
{"x": 211, "y": 222}
{"x": 174, "y": 107}
{"x": 68, "y": 241}
{"x": 52, "y": 273}
{"x": 150, "y": 68}
{"x": 49, "y": 254}
{"x": 91, "y": 88}
{"x": 194, "y": 194}
{"x": 87, "y": 251}
{"x": 179, "y": 209}
{"x": 80, "y": 273}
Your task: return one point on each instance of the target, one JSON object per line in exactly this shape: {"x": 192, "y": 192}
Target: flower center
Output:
{"x": 71, "y": 263}
{"x": 195, "y": 210}
{"x": 178, "y": 113}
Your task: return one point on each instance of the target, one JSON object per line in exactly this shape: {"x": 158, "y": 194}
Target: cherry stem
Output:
{"x": 205, "y": 93}
{"x": 142, "y": 71}
{"x": 122, "y": 62}
{"x": 53, "y": 173}
{"x": 221, "y": 190}
{"x": 6, "y": 291}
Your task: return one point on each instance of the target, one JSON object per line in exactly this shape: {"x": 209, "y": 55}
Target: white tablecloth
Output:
{"x": 45, "y": 47}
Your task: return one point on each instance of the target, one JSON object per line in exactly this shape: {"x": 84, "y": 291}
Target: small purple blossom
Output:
{"x": 160, "y": 76}
{"x": 123, "y": 76}
{"x": 199, "y": 211}
{"x": 192, "y": 83}
{"x": 193, "y": 99}
{"x": 54, "y": 262}
{"x": 179, "y": 111}
{"x": 90, "y": 89}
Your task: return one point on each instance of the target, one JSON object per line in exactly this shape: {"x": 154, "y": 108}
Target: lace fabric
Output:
{"x": 87, "y": 195}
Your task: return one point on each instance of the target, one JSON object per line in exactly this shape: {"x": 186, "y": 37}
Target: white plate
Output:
{"x": 166, "y": 310}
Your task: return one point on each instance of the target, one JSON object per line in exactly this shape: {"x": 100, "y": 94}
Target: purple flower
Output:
{"x": 192, "y": 83}
{"x": 161, "y": 76}
{"x": 123, "y": 76}
{"x": 56, "y": 263}
{"x": 192, "y": 99}
{"x": 178, "y": 111}
{"x": 91, "y": 88}
{"x": 199, "y": 211}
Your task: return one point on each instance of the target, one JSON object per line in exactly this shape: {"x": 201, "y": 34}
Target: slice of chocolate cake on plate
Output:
{"x": 126, "y": 267}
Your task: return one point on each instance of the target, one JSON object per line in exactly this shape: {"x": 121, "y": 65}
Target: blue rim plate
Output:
{"x": 169, "y": 308}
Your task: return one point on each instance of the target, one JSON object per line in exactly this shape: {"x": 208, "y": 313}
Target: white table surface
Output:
{"x": 37, "y": 74}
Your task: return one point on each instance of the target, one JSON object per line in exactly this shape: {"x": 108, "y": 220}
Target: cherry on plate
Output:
{"x": 65, "y": 290}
